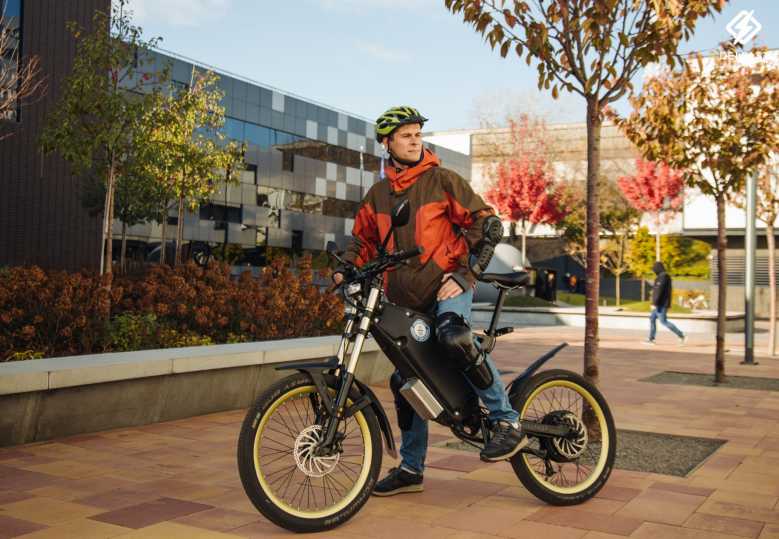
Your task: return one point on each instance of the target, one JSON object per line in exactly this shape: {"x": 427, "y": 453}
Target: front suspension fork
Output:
{"x": 347, "y": 373}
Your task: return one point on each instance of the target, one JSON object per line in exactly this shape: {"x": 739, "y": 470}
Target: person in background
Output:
{"x": 661, "y": 302}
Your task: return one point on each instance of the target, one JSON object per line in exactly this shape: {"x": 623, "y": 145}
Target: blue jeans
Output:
{"x": 413, "y": 445}
{"x": 662, "y": 314}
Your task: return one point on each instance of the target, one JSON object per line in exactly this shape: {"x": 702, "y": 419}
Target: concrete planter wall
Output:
{"x": 608, "y": 317}
{"x": 48, "y": 398}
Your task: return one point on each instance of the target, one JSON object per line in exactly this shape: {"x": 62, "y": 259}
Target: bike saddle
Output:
{"x": 510, "y": 280}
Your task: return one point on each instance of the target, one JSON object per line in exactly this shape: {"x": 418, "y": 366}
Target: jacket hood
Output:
{"x": 404, "y": 179}
{"x": 658, "y": 268}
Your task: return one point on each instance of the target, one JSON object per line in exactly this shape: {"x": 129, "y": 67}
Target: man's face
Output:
{"x": 406, "y": 142}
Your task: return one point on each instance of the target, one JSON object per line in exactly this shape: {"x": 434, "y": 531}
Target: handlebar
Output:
{"x": 405, "y": 255}
{"x": 378, "y": 265}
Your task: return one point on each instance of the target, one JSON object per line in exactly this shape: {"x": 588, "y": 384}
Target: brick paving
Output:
{"x": 179, "y": 479}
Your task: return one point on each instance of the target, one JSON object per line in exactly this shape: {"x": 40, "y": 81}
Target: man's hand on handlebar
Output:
{"x": 348, "y": 272}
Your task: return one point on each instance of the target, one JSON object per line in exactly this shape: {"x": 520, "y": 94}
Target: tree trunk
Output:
{"x": 179, "y": 231}
{"x": 643, "y": 288}
{"x": 618, "y": 288}
{"x": 771, "y": 288}
{"x": 163, "y": 248}
{"x": 524, "y": 243}
{"x": 592, "y": 281}
{"x": 109, "y": 247}
{"x": 106, "y": 202}
{"x": 657, "y": 237}
{"x": 722, "y": 290}
{"x": 123, "y": 256}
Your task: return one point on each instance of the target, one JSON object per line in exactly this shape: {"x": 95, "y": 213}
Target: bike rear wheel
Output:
{"x": 281, "y": 475}
{"x": 577, "y": 467}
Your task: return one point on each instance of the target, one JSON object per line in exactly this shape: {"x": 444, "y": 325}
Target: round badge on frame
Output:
{"x": 420, "y": 330}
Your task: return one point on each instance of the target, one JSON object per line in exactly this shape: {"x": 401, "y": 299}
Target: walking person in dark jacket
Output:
{"x": 661, "y": 302}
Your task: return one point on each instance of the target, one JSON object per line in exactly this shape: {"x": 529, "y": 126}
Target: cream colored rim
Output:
{"x": 353, "y": 492}
{"x": 605, "y": 443}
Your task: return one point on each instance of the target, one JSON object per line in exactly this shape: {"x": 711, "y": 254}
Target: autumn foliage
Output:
{"x": 523, "y": 189}
{"x": 49, "y": 314}
{"x": 654, "y": 187}
{"x": 524, "y": 193}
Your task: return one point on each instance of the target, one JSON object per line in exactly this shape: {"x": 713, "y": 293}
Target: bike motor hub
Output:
{"x": 570, "y": 447}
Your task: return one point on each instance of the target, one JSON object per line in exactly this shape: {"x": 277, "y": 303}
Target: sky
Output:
{"x": 363, "y": 56}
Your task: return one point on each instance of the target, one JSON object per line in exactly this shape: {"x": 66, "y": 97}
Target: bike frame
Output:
{"x": 459, "y": 401}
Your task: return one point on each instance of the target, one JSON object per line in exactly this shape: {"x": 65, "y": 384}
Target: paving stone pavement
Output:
{"x": 179, "y": 479}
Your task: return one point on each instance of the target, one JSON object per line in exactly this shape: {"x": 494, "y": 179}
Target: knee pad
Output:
{"x": 454, "y": 335}
{"x": 402, "y": 407}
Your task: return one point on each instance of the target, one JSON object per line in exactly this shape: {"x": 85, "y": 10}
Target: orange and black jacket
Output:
{"x": 446, "y": 221}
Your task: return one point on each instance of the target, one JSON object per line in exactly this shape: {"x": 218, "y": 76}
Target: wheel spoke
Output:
{"x": 568, "y": 404}
{"x": 293, "y": 474}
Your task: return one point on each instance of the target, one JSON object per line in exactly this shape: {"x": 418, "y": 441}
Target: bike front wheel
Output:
{"x": 283, "y": 477}
{"x": 573, "y": 469}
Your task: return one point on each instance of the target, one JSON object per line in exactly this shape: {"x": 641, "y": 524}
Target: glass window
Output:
{"x": 297, "y": 242}
{"x": 285, "y": 199}
{"x": 221, "y": 214}
{"x": 262, "y": 237}
{"x": 257, "y": 135}
{"x": 234, "y": 129}
{"x": 11, "y": 18}
{"x": 288, "y": 161}
{"x": 249, "y": 174}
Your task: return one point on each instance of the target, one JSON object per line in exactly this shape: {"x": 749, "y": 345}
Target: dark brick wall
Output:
{"x": 41, "y": 218}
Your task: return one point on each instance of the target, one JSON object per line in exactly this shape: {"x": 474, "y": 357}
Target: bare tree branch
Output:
{"x": 21, "y": 82}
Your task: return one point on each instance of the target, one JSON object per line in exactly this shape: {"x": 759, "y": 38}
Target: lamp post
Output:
{"x": 750, "y": 241}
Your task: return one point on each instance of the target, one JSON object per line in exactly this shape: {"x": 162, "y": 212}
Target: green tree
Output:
{"x": 137, "y": 200}
{"x": 684, "y": 256}
{"x": 619, "y": 221}
{"x": 572, "y": 227}
{"x": 717, "y": 123}
{"x": 593, "y": 48}
{"x": 191, "y": 155}
{"x": 95, "y": 124}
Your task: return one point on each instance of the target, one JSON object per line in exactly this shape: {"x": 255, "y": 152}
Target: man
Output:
{"x": 661, "y": 302}
{"x": 448, "y": 220}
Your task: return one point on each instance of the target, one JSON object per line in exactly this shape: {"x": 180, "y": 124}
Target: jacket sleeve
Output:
{"x": 661, "y": 290}
{"x": 668, "y": 291}
{"x": 365, "y": 235}
{"x": 656, "y": 291}
{"x": 468, "y": 211}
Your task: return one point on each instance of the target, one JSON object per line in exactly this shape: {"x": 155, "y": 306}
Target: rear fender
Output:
{"x": 516, "y": 384}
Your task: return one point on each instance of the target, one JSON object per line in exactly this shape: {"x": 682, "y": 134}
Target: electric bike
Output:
{"x": 310, "y": 449}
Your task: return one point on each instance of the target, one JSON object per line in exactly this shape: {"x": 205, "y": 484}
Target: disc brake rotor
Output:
{"x": 571, "y": 447}
{"x": 307, "y": 462}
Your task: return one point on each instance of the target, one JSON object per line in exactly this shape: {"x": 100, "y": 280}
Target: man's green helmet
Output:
{"x": 394, "y": 118}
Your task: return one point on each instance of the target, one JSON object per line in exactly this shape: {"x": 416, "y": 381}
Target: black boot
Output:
{"x": 398, "y": 481}
{"x": 506, "y": 441}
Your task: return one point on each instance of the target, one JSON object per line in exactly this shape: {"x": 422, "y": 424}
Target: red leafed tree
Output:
{"x": 523, "y": 190}
{"x": 655, "y": 188}
{"x": 525, "y": 195}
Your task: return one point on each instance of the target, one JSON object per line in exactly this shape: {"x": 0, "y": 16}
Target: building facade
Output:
{"x": 307, "y": 166}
